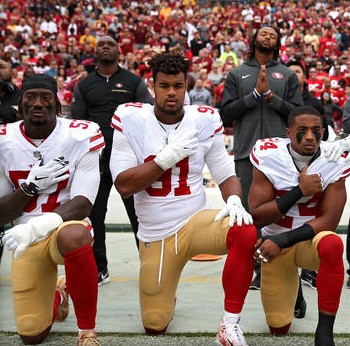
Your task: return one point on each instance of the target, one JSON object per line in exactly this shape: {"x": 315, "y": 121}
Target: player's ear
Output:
{"x": 289, "y": 135}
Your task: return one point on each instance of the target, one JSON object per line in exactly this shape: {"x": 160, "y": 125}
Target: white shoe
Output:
{"x": 230, "y": 334}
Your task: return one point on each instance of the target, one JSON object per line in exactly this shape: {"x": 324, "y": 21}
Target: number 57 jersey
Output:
{"x": 271, "y": 156}
{"x": 166, "y": 206}
{"x": 71, "y": 139}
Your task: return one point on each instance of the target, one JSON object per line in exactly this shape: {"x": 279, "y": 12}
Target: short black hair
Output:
{"x": 296, "y": 63}
{"x": 169, "y": 63}
{"x": 295, "y": 112}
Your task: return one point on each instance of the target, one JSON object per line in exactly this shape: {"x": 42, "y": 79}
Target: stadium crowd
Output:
{"x": 59, "y": 38}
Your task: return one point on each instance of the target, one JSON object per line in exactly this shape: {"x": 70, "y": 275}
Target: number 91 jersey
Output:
{"x": 271, "y": 156}
{"x": 165, "y": 207}
{"x": 71, "y": 139}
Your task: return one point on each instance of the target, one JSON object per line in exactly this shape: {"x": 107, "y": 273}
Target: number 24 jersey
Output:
{"x": 271, "y": 156}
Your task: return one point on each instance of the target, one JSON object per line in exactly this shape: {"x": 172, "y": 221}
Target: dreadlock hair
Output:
{"x": 251, "y": 53}
{"x": 58, "y": 107}
{"x": 169, "y": 63}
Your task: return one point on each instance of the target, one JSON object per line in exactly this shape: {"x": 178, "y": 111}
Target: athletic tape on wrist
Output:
{"x": 287, "y": 201}
{"x": 287, "y": 239}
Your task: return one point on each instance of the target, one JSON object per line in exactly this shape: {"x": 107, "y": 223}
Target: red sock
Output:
{"x": 56, "y": 304}
{"x": 239, "y": 266}
{"x": 280, "y": 331}
{"x": 330, "y": 276}
{"x": 82, "y": 285}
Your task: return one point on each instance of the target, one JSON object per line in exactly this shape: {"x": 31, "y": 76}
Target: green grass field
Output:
{"x": 116, "y": 339}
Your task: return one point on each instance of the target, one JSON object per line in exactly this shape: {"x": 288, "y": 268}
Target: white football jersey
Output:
{"x": 271, "y": 156}
{"x": 166, "y": 206}
{"x": 71, "y": 139}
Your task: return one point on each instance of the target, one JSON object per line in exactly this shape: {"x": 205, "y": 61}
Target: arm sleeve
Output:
{"x": 79, "y": 108}
{"x": 218, "y": 161}
{"x": 86, "y": 178}
{"x": 142, "y": 94}
{"x": 233, "y": 107}
{"x": 123, "y": 156}
{"x": 346, "y": 115}
{"x": 292, "y": 100}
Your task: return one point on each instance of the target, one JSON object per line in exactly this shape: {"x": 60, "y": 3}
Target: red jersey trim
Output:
{"x": 21, "y": 127}
{"x": 98, "y": 146}
{"x": 254, "y": 158}
{"x": 117, "y": 127}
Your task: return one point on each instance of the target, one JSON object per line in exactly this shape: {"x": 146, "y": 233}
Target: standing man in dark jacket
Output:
{"x": 257, "y": 97}
{"x": 95, "y": 98}
{"x": 9, "y": 96}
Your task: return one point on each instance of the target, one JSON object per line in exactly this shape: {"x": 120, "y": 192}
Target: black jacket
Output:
{"x": 258, "y": 119}
{"x": 8, "y": 113}
{"x": 96, "y": 97}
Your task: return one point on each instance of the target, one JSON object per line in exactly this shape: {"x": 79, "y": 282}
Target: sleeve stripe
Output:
{"x": 218, "y": 130}
{"x": 254, "y": 158}
{"x": 96, "y": 137}
{"x": 98, "y": 146}
{"x": 116, "y": 118}
{"x": 117, "y": 127}
{"x": 344, "y": 176}
{"x": 346, "y": 171}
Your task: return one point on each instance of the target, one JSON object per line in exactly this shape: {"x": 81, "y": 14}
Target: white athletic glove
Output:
{"x": 19, "y": 237}
{"x": 41, "y": 177}
{"x": 177, "y": 149}
{"x": 235, "y": 210}
{"x": 336, "y": 149}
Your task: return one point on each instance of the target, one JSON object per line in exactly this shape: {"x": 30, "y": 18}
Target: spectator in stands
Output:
{"x": 228, "y": 52}
{"x": 197, "y": 44}
{"x": 87, "y": 38}
{"x": 313, "y": 83}
{"x": 88, "y": 58}
{"x": 215, "y": 75}
{"x": 199, "y": 95}
{"x": 332, "y": 110}
{"x": 238, "y": 46}
{"x": 53, "y": 68}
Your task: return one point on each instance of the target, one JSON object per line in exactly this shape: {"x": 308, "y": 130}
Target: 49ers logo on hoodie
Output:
{"x": 277, "y": 75}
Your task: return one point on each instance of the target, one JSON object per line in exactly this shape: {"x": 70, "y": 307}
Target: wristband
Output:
{"x": 287, "y": 239}
{"x": 267, "y": 92}
{"x": 287, "y": 201}
{"x": 256, "y": 95}
{"x": 29, "y": 190}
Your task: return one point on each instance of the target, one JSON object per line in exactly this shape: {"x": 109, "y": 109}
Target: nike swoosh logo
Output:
{"x": 244, "y": 77}
{"x": 36, "y": 178}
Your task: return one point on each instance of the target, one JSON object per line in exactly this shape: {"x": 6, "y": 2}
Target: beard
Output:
{"x": 38, "y": 122}
{"x": 264, "y": 49}
{"x": 106, "y": 61}
{"x": 168, "y": 111}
